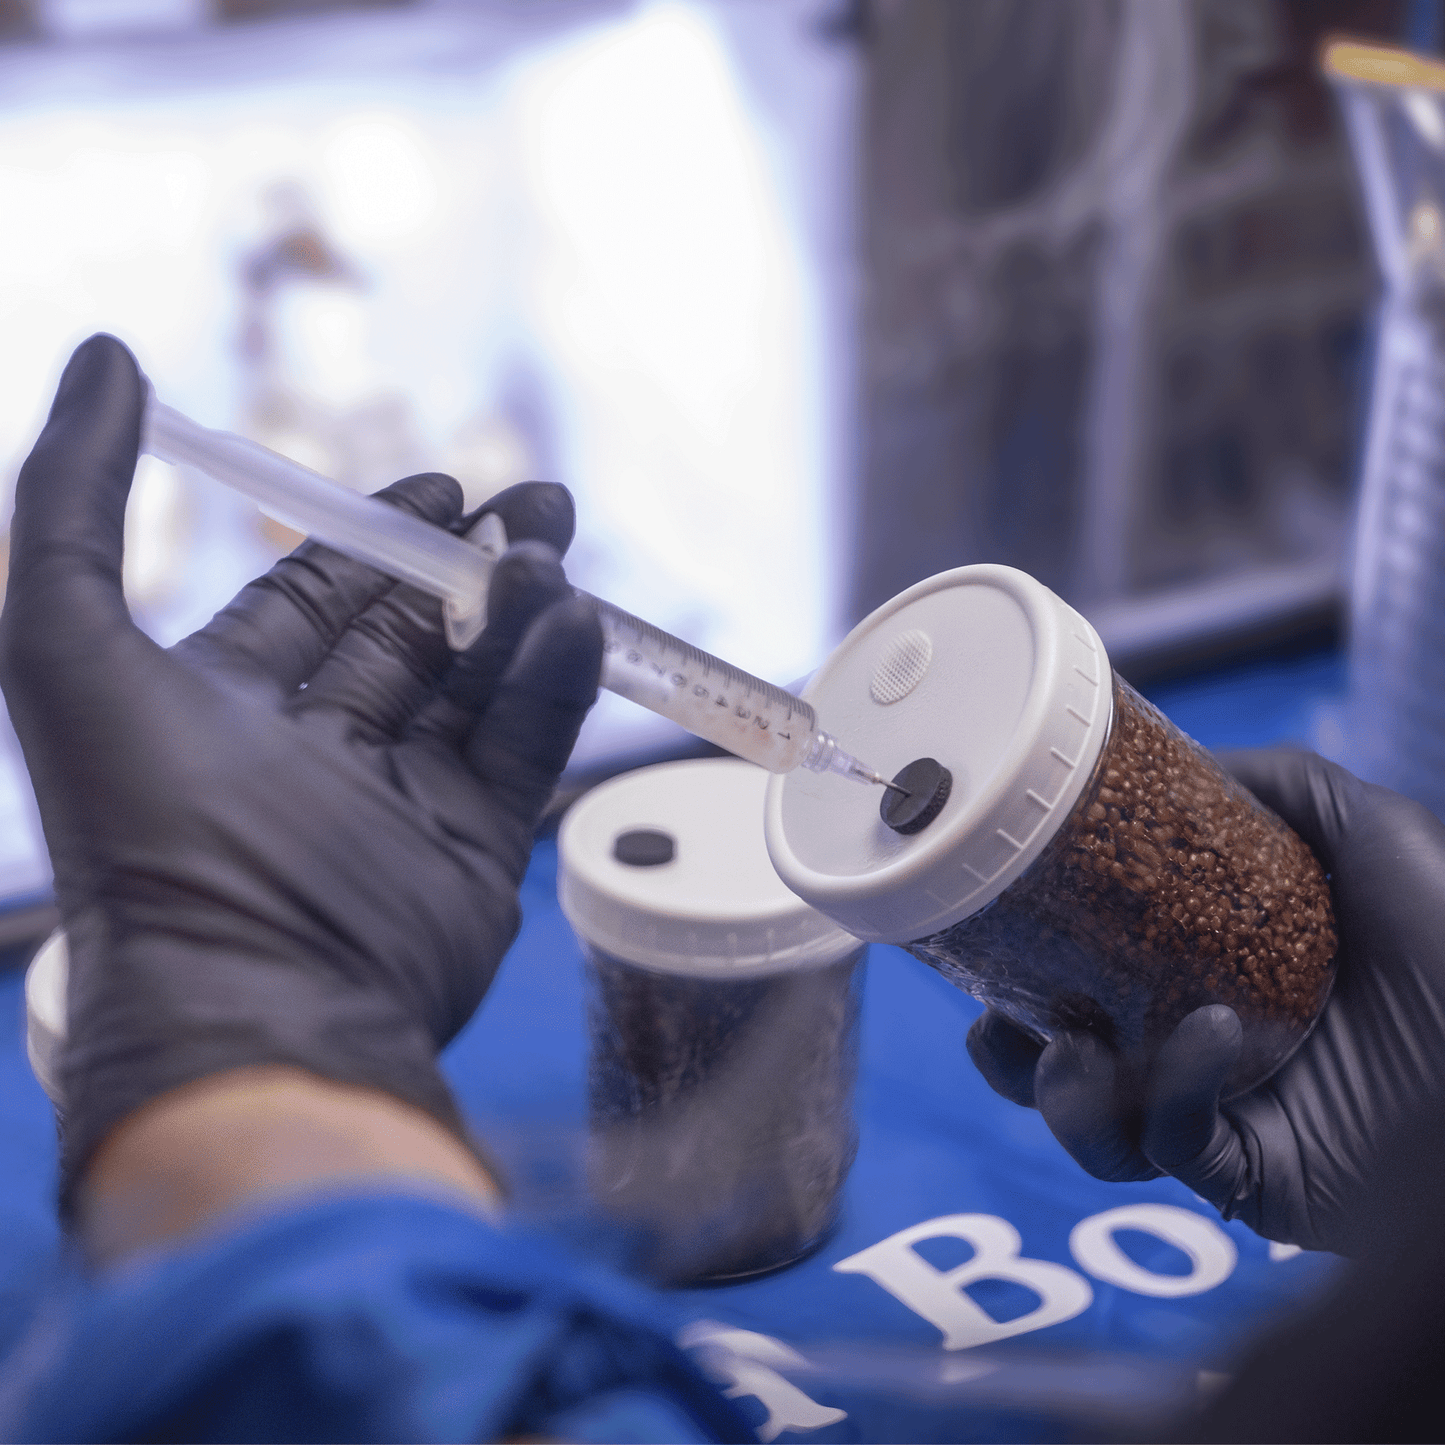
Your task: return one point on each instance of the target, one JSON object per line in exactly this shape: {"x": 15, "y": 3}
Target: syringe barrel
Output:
{"x": 699, "y": 692}
{"x": 385, "y": 537}
{"x": 702, "y": 693}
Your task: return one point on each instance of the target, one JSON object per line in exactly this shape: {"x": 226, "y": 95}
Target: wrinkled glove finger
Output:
{"x": 1006, "y": 1057}
{"x": 386, "y": 666}
{"x": 527, "y": 579}
{"x": 522, "y": 742}
{"x": 1184, "y": 1132}
{"x": 1076, "y": 1090}
{"x": 281, "y": 627}
{"x": 531, "y": 512}
{"x": 64, "y": 598}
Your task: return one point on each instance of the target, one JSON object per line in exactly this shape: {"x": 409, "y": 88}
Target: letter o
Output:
{"x": 1211, "y": 1251}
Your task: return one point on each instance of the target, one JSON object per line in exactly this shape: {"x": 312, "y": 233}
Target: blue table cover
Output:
{"x": 980, "y": 1286}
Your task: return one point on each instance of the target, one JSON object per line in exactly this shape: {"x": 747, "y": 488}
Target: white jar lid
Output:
{"x": 716, "y": 908}
{"x": 984, "y": 669}
{"x": 45, "y": 984}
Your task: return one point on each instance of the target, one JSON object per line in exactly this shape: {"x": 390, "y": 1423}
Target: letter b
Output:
{"x": 938, "y": 1294}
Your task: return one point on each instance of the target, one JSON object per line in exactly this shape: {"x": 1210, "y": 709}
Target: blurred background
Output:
{"x": 804, "y": 299}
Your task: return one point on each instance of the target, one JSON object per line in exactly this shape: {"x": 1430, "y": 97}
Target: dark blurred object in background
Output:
{"x": 1118, "y": 288}
{"x": 1360, "y": 1363}
{"x": 106, "y": 19}
{"x": 269, "y": 9}
{"x": 18, "y": 20}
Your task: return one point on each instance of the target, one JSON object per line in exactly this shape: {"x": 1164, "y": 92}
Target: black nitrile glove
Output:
{"x": 295, "y": 838}
{"x": 1294, "y": 1158}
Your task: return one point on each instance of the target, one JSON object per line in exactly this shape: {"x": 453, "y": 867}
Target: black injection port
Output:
{"x": 926, "y": 784}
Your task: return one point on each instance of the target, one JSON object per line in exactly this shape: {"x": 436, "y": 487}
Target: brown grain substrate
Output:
{"x": 1168, "y": 887}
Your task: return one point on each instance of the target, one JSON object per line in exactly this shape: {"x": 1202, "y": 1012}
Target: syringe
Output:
{"x": 701, "y": 693}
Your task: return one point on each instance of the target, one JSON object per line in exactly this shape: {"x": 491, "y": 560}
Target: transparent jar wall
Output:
{"x": 722, "y": 1111}
{"x": 1168, "y": 887}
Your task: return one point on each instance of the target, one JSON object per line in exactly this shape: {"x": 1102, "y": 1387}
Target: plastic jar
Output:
{"x": 723, "y": 1020}
{"x": 1092, "y": 867}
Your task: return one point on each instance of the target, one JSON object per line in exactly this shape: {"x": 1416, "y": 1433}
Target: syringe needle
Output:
{"x": 826, "y": 756}
{"x": 865, "y": 774}
{"x": 860, "y": 772}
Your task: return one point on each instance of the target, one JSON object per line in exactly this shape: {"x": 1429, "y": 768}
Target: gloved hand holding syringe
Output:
{"x": 699, "y": 692}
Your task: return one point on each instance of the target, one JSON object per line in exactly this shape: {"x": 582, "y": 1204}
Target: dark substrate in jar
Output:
{"x": 722, "y": 1111}
{"x": 1168, "y": 887}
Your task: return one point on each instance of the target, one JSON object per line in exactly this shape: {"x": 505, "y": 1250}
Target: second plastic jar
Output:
{"x": 723, "y": 1015}
{"x": 1092, "y": 868}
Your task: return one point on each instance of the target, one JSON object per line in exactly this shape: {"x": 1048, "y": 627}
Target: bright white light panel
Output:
{"x": 641, "y": 213}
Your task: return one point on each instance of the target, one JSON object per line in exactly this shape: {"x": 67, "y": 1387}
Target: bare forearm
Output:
{"x": 236, "y": 1139}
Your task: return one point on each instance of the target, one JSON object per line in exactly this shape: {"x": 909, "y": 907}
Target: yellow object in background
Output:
{"x": 1381, "y": 65}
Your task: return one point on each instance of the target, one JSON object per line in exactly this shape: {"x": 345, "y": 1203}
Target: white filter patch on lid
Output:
{"x": 902, "y": 666}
